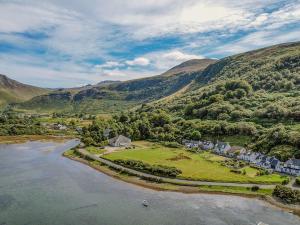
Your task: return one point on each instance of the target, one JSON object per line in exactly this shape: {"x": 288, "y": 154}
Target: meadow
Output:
{"x": 196, "y": 166}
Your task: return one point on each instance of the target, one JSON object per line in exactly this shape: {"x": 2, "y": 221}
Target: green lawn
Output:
{"x": 95, "y": 150}
{"x": 203, "y": 166}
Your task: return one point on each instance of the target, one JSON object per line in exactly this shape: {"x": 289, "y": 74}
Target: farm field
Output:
{"x": 197, "y": 166}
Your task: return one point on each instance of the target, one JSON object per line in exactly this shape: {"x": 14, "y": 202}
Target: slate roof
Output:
{"x": 296, "y": 162}
{"x": 120, "y": 139}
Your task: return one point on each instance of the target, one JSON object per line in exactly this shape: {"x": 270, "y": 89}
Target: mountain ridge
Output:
{"x": 115, "y": 92}
{"x": 12, "y": 91}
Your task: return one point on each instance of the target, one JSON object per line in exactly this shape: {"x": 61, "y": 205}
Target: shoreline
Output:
{"x": 25, "y": 138}
{"x": 180, "y": 188}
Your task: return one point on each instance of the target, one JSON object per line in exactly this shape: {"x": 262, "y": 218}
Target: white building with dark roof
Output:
{"x": 120, "y": 141}
{"x": 222, "y": 148}
{"x": 292, "y": 166}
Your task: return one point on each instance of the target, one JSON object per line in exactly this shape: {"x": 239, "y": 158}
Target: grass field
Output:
{"x": 202, "y": 166}
{"x": 95, "y": 150}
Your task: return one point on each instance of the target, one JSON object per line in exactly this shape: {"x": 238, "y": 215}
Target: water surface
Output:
{"x": 40, "y": 187}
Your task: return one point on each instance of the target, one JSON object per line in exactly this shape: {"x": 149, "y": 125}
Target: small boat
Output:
{"x": 261, "y": 223}
{"x": 145, "y": 203}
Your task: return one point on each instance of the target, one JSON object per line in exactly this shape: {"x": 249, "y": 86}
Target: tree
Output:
{"x": 196, "y": 135}
{"x": 88, "y": 141}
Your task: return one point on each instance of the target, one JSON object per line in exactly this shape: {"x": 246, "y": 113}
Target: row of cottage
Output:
{"x": 292, "y": 166}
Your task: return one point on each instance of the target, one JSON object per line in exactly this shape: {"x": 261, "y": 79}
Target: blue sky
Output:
{"x": 64, "y": 43}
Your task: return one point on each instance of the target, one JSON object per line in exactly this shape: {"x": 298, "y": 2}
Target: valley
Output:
{"x": 250, "y": 100}
{"x": 126, "y": 112}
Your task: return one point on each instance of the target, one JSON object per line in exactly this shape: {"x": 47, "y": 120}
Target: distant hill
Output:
{"x": 193, "y": 65}
{"x": 247, "y": 82}
{"x": 255, "y": 94}
{"x": 270, "y": 74}
{"x": 12, "y": 91}
{"x": 113, "y": 96}
{"x": 252, "y": 99}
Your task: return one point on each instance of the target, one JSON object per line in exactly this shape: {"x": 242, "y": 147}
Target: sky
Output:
{"x": 68, "y": 43}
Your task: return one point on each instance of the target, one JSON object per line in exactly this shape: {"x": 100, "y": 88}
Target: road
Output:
{"x": 167, "y": 180}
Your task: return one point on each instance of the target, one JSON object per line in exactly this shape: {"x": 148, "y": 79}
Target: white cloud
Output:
{"x": 164, "y": 60}
{"x": 260, "y": 20}
{"x": 153, "y": 64}
{"x": 84, "y": 30}
{"x": 180, "y": 56}
{"x": 140, "y": 61}
{"x": 108, "y": 64}
{"x": 257, "y": 40}
{"x": 123, "y": 74}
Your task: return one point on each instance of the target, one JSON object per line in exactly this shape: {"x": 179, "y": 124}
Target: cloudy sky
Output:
{"x": 65, "y": 43}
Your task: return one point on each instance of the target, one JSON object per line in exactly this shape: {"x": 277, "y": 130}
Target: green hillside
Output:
{"x": 12, "y": 91}
{"x": 250, "y": 99}
{"x": 117, "y": 96}
{"x": 261, "y": 86}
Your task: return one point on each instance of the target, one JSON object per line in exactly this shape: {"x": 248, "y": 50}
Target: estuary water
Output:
{"x": 40, "y": 187}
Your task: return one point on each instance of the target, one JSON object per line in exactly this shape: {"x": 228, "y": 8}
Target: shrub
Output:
{"x": 236, "y": 171}
{"x": 171, "y": 144}
{"x": 88, "y": 141}
{"x": 286, "y": 181}
{"x": 158, "y": 170}
{"x": 194, "y": 149}
{"x": 255, "y": 188}
{"x": 262, "y": 172}
{"x": 152, "y": 179}
{"x": 297, "y": 181}
{"x": 287, "y": 194}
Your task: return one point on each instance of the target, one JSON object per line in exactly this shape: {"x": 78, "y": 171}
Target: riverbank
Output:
{"x": 24, "y": 138}
{"x": 261, "y": 194}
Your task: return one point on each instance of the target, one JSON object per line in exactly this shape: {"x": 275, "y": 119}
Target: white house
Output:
{"x": 207, "y": 145}
{"x": 235, "y": 151}
{"x": 192, "y": 143}
{"x": 292, "y": 166}
{"x": 255, "y": 157}
{"x": 275, "y": 163}
{"x": 221, "y": 147}
{"x": 120, "y": 141}
{"x": 59, "y": 126}
{"x": 264, "y": 162}
{"x": 245, "y": 155}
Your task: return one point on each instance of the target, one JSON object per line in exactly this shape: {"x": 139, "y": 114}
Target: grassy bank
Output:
{"x": 195, "y": 166}
{"x": 263, "y": 194}
{"x": 25, "y": 138}
{"x": 241, "y": 191}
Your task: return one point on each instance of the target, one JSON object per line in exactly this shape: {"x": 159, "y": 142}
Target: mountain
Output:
{"x": 193, "y": 65}
{"x": 253, "y": 80}
{"x": 107, "y": 82}
{"x": 251, "y": 99}
{"x": 113, "y": 96}
{"x": 253, "y": 96}
{"x": 12, "y": 91}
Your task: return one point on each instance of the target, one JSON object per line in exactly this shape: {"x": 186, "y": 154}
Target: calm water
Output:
{"x": 39, "y": 187}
